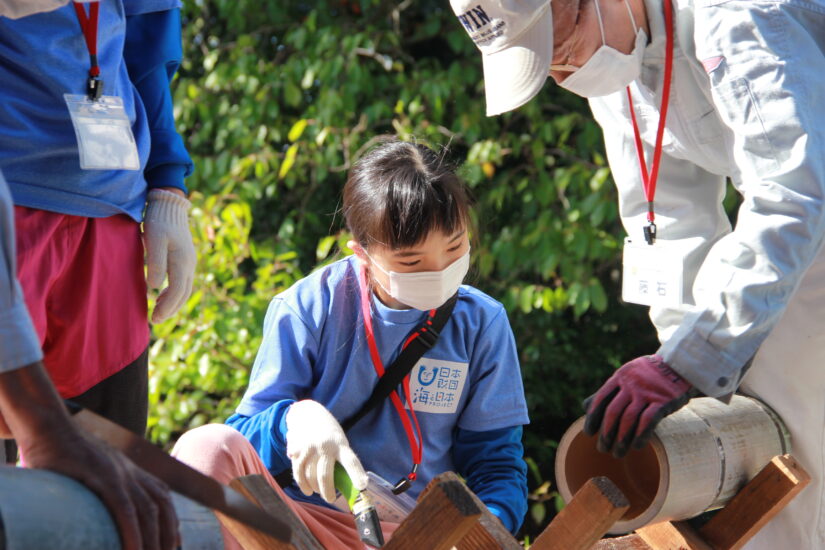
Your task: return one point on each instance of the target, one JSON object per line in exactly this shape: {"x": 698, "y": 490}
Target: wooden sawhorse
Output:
{"x": 732, "y": 526}
{"x": 449, "y": 516}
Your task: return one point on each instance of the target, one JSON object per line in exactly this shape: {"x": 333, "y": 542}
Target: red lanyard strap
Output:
{"x": 94, "y": 85}
{"x": 398, "y": 373}
{"x": 416, "y": 447}
{"x": 649, "y": 180}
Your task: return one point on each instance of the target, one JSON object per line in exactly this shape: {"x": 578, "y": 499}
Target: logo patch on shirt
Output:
{"x": 436, "y": 386}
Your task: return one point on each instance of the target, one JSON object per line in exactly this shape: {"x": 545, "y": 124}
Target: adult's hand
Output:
{"x": 139, "y": 504}
{"x": 315, "y": 442}
{"x": 627, "y": 408}
{"x": 169, "y": 250}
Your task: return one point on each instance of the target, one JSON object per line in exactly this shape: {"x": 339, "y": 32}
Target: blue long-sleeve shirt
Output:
{"x": 490, "y": 461}
{"x": 466, "y": 390}
{"x": 43, "y": 57}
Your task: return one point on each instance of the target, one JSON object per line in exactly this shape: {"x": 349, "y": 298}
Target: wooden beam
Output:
{"x": 477, "y": 538}
{"x": 586, "y": 518}
{"x": 489, "y": 532}
{"x": 629, "y": 542}
{"x": 756, "y": 504}
{"x": 445, "y": 513}
{"x": 672, "y": 536}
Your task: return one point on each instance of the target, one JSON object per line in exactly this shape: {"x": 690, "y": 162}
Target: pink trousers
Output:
{"x": 224, "y": 454}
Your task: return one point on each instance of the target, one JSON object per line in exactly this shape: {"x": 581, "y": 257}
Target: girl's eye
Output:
{"x": 453, "y": 249}
{"x": 410, "y": 264}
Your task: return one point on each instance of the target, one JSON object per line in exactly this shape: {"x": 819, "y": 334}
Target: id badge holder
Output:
{"x": 104, "y": 133}
{"x": 651, "y": 274}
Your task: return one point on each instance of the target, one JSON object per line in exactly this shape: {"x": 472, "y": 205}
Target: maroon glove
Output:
{"x": 632, "y": 402}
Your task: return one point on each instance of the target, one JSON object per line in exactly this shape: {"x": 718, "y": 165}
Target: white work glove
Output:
{"x": 314, "y": 442}
{"x": 169, "y": 249}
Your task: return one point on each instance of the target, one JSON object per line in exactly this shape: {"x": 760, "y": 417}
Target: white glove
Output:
{"x": 169, "y": 249}
{"x": 314, "y": 442}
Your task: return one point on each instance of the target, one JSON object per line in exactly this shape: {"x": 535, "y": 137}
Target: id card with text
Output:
{"x": 651, "y": 274}
{"x": 104, "y": 133}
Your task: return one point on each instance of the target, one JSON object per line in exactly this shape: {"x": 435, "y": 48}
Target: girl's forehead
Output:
{"x": 435, "y": 240}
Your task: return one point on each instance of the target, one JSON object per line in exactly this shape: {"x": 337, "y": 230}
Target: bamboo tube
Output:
{"x": 698, "y": 458}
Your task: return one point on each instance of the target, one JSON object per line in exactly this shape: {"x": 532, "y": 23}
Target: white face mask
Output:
{"x": 608, "y": 70}
{"x": 426, "y": 290}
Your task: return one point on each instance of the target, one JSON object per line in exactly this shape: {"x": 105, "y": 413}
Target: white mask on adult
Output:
{"x": 608, "y": 70}
{"x": 426, "y": 290}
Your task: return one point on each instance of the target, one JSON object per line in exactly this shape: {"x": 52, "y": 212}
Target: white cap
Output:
{"x": 516, "y": 42}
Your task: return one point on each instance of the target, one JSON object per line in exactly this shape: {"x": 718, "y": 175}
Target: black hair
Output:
{"x": 399, "y": 192}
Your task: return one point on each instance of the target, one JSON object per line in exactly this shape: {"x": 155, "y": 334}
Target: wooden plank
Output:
{"x": 489, "y": 532}
{"x": 756, "y": 504}
{"x": 258, "y": 490}
{"x": 586, "y": 518}
{"x": 672, "y": 536}
{"x": 442, "y": 517}
{"x": 629, "y": 542}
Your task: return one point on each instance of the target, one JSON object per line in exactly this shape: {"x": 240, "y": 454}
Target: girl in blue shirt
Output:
{"x": 327, "y": 337}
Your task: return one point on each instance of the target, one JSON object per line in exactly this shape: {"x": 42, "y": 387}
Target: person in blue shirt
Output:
{"x": 462, "y": 406}
{"x": 80, "y": 249}
{"x": 32, "y": 412}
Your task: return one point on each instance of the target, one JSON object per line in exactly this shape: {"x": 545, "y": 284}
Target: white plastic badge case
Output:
{"x": 104, "y": 133}
{"x": 651, "y": 274}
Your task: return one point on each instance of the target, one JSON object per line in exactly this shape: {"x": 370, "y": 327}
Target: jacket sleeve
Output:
{"x": 491, "y": 463}
{"x": 765, "y": 90}
{"x": 739, "y": 282}
{"x": 19, "y": 344}
{"x": 153, "y": 53}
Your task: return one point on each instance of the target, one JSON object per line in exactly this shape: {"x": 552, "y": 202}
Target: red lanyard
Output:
{"x": 649, "y": 181}
{"x": 416, "y": 447}
{"x": 94, "y": 86}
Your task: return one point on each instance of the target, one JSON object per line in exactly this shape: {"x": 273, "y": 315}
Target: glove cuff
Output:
{"x": 166, "y": 206}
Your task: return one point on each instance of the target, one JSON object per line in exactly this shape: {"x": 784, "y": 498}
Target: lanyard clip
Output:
{"x": 94, "y": 88}
{"x": 650, "y": 233}
{"x": 405, "y": 482}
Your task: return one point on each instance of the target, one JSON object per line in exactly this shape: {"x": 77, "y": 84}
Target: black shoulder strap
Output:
{"x": 428, "y": 335}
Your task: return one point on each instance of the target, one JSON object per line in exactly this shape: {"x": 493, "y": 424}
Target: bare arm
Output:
{"x": 36, "y": 417}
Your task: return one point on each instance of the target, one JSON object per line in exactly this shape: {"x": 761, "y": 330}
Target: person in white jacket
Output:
{"x": 690, "y": 94}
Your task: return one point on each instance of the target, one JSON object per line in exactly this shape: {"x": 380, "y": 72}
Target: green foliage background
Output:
{"x": 277, "y": 99}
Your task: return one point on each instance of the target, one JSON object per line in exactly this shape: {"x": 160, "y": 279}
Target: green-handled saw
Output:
{"x": 366, "y": 517}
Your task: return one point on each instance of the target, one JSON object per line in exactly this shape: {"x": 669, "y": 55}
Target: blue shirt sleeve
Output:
{"x": 497, "y": 395}
{"x": 267, "y": 433}
{"x": 282, "y": 374}
{"x": 153, "y": 53}
{"x": 19, "y": 345}
{"x": 283, "y": 366}
{"x": 491, "y": 462}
